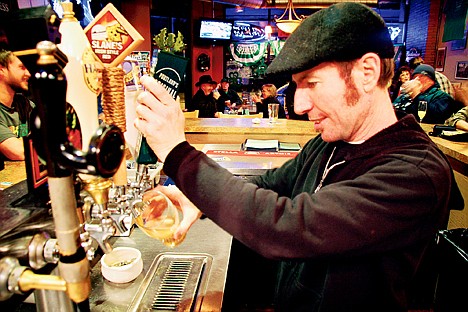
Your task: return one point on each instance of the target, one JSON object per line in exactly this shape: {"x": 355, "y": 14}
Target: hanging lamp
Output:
{"x": 293, "y": 20}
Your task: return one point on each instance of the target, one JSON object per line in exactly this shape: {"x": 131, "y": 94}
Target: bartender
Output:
{"x": 351, "y": 216}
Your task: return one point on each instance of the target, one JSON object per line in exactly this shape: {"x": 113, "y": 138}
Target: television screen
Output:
{"x": 215, "y": 29}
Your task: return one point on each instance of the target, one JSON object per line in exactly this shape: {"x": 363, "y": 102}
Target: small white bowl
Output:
{"x": 122, "y": 265}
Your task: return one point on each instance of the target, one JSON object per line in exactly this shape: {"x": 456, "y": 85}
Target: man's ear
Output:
{"x": 370, "y": 66}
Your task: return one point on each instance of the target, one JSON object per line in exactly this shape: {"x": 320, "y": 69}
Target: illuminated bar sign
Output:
{"x": 242, "y": 31}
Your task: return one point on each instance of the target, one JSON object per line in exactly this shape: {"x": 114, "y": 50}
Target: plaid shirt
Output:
{"x": 444, "y": 84}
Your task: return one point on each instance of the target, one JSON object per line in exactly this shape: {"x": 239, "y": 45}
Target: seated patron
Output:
{"x": 423, "y": 87}
{"x": 460, "y": 118}
{"x": 204, "y": 99}
{"x": 228, "y": 98}
{"x": 402, "y": 75}
{"x": 443, "y": 82}
{"x": 15, "y": 108}
{"x": 268, "y": 97}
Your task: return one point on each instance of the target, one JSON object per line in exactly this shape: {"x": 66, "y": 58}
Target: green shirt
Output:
{"x": 14, "y": 121}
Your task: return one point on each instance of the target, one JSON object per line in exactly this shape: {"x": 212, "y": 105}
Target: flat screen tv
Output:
{"x": 213, "y": 30}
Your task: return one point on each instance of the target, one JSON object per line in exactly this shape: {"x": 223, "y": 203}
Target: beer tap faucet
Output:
{"x": 104, "y": 155}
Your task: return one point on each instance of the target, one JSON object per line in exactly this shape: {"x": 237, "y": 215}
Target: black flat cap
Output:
{"x": 341, "y": 32}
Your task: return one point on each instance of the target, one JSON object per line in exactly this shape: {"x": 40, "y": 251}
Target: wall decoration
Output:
{"x": 397, "y": 32}
{"x": 168, "y": 42}
{"x": 440, "y": 59}
{"x": 461, "y": 72}
{"x": 412, "y": 53}
{"x": 459, "y": 44}
{"x": 248, "y": 53}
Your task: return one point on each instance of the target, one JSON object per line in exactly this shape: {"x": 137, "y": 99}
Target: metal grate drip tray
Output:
{"x": 175, "y": 282}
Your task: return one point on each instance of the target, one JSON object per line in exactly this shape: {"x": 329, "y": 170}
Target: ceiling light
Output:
{"x": 290, "y": 24}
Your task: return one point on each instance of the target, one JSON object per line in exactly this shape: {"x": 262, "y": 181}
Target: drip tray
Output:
{"x": 175, "y": 282}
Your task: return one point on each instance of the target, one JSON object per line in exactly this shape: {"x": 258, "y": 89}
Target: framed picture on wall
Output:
{"x": 440, "y": 59}
{"x": 461, "y": 72}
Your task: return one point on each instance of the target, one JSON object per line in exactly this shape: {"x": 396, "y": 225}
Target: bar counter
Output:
{"x": 204, "y": 237}
{"x": 457, "y": 152}
{"x": 237, "y": 130}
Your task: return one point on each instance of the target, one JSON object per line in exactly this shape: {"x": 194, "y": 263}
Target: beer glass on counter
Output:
{"x": 273, "y": 110}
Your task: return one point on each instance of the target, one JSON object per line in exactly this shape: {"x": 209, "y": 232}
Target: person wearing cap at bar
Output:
{"x": 204, "y": 99}
{"x": 350, "y": 217}
{"x": 423, "y": 87}
{"x": 228, "y": 98}
{"x": 443, "y": 82}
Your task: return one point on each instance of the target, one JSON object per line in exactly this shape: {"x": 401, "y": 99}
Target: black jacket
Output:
{"x": 230, "y": 95}
{"x": 206, "y": 104}
{"x": 349, "y": 222}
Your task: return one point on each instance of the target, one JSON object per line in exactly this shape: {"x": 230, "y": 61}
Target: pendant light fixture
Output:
{"x": 293, "y": 20}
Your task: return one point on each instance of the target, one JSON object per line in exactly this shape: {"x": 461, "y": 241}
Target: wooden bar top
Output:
{"x": 14, "y": 172}
{"x": 237, "y": 130}
{"x": 455, "y": 150}
{"x": 246, "y": 125}
{"x": 221, "y": 130}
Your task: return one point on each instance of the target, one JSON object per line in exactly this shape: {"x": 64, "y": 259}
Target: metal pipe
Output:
{"x": 73, "y": 265}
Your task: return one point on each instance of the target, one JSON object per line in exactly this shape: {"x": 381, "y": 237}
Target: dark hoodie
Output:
{"x": 349, "y": 222}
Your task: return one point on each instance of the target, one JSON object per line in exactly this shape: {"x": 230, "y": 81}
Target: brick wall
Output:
{"x": 418, "y": 22}
{"x": 423, "y": 28}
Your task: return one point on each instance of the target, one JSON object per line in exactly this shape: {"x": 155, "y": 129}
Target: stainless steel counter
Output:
{"x": 204, "y": 237}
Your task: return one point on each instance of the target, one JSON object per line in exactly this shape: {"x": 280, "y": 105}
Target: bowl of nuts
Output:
{"x": 121, "y": 265}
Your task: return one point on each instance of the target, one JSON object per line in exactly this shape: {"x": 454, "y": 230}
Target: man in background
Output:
{"x": 423, "y": 87}
{"x": 227, "y": 97}
{"x": 204, "y": 99}
{"x": 443, "y": 82}
{"x": 14, "y": 107}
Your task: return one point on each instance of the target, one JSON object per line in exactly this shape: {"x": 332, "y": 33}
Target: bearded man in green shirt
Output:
{"x": 15, "y": 108}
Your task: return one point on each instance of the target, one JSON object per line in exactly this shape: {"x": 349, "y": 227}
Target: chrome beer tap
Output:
{"x": 103, "y": 157}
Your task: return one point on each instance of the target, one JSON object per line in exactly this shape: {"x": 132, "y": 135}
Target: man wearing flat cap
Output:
{"x": 350, "y": 217}
{"x": 424, "y": 87}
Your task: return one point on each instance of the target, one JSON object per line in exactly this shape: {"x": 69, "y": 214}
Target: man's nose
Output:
{"x": 302, "y": 103}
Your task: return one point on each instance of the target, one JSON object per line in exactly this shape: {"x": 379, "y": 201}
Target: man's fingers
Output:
{"x": 157, "y": 90}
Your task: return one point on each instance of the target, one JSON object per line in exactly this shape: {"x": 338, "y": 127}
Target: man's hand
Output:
{"x": 412, "y": 87}
{"x": 160, "y": 118}
{"x": 189, "y": 211}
